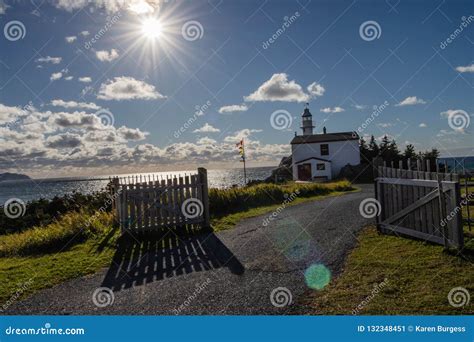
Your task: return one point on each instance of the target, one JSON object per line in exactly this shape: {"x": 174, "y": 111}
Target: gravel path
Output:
{"x": 231, "y": 272}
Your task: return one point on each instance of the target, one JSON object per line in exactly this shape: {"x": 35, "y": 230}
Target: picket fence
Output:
{"x": 153, "y": 204}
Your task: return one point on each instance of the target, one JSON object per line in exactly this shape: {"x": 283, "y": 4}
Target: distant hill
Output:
{"x": 7, "y": 176}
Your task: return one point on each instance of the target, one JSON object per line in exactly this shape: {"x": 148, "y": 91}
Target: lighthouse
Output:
{"x": 320, "y": 157}
{"x": 307, "y": 123}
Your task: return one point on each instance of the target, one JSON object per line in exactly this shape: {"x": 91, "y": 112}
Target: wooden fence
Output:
{"x": 421, "y": 204}
{"x": 152, "y": 204}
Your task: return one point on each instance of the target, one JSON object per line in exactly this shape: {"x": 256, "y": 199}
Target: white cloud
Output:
{"x": 65, "y": 140}
{"x": 49, "y": 59}
{"x": 84, "y": 33}
{"x": 206, "y": 141}
{"x": 128, "y": 88}
{"x": 78, "y": 120}
{"x": 233, "y": 109}
{"x": 279, "y": 88}
{"x": 131, "y": 133}
{"x": 74, "y": 104}
{"x": 207, "y": 129}
{"x": 106, "y": 56}
{"x": 410, "y": 101}
{"x": 10, "y": 114}
{"x": 70, "y": 39}
{"x": 332, "y": 110}
{"x": 85, "y": 79}
{"x": 242, "y": 134}
{"x": 315, "y": 89}
{"x": 67, "y": 143}
{"x": 422, "y": 125}
{"x": 360, "y": 107}
{"x": 56, "y": 76}
{"x": 468, "y": 68}
{"x": 385, "y": 124}
{"x": 68, "y": 78}
{"x": 111, "y": 6}
{"x": 142, "y": 6}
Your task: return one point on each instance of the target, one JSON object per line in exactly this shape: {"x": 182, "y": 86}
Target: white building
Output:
{"x": 321, "y": 157}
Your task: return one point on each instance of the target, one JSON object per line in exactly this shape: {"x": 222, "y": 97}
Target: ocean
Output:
{"x": 28, "y": 190}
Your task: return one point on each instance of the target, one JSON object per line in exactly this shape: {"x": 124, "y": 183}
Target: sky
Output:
{"x": 97, "y": 87}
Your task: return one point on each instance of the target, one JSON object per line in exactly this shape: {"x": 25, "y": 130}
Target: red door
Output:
{"x": 304, "y": 172}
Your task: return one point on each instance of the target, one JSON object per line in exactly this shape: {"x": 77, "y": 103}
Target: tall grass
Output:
{"x": 226, "y": 201}
{"x": 71, "y": 228}
{"x": 43, "y": 212}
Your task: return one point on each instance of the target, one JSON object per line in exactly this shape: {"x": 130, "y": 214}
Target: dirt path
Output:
{"x": 231, "y": 272}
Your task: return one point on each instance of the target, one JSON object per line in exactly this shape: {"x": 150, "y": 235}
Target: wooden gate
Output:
{"x": 148, "y": 204}
{"x": 421, "y": 204}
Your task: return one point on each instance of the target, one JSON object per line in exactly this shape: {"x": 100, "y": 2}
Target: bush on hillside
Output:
{"x": 225, "y": 201}
{"x": 43, "y": 212}
{"x": 71, "y": 228}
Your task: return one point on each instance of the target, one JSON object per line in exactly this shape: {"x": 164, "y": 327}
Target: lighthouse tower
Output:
{"x": 307, "y": 123}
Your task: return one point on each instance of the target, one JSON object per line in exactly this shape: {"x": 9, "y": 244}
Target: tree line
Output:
{"x": 389, "y": 152}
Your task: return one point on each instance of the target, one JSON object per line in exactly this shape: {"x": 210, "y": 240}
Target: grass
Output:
{"x": 71, "y": 228}
{"x": 229, "y": 221}
{"x": 74, "y": 245}
{"x": 227, "y": 201}
{"x": 397, "y": 276}
{"x": 23, "y": 276}
{"x": 79, "y": 243}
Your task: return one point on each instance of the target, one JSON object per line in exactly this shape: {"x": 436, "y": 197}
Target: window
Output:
{"x": 321, "y": 167}
{"x": 324, "y": 149}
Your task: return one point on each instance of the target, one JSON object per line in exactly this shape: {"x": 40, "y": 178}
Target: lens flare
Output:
{"x": 317, "y": 276}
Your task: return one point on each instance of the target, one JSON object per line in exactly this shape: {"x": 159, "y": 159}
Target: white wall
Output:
{"x": 341, "y": 153}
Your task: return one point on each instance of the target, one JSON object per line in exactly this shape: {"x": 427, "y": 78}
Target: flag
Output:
{"x": 240, "y": 146}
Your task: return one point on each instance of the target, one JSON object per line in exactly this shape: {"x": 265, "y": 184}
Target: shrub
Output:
{"x": 71, "y": 228}
{"x": 225, "y": 201}
{"x": 43, "y": 212}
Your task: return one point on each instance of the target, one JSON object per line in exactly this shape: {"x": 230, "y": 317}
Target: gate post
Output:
{"x": 376, "y": 162}
{"x": 458, "y": 233}
{"x": 115, "y": 196}
{"x": 202, "y": 172}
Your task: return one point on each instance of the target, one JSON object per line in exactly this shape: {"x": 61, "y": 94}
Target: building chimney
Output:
{"x": 324, "y": 130}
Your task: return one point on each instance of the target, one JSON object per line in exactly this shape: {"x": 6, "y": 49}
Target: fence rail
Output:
{"x": 150, "y": 205}
{"x": 422, "y": 204}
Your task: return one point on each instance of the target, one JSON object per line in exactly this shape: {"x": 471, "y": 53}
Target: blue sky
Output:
{"x": 84, "y": 86}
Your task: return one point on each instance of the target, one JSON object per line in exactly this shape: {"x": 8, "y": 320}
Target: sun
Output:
{"x": 152, "y": 28}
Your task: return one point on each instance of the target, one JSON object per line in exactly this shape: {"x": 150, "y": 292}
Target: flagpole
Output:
{"x": 241, "y": 146}
{"x": 245, "y": 173}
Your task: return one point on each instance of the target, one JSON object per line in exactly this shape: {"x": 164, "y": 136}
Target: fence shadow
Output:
{"x": 153, "y": 258}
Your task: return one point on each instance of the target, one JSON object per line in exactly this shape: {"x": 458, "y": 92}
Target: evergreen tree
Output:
{"x": 374, "y": 149}
{"x": 394, "y": 152}
{"x": 385, "y": 149}
{"x": 431, "y": 156}
{"x": 409, "y": 152}
{"x": 365, "y": 155}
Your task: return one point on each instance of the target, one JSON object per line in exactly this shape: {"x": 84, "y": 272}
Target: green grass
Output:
{"x": 71, "y": 228}
{"x": 418, "y": 277}
{"x": 79, "y": 243}
{"x": 34, "y": 273}
{"x": 229, "y": 221}
{"x": 227, "y": 201}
